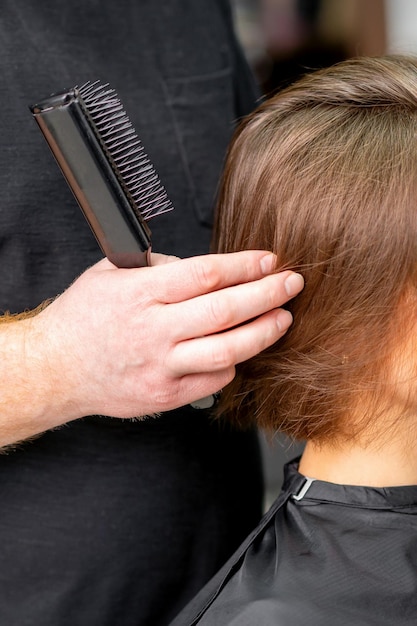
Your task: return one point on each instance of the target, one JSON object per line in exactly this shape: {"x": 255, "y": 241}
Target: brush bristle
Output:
{"x": 124, "y": 149}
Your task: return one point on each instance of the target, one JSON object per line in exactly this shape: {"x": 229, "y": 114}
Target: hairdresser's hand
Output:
{"x": 132, "y": 342}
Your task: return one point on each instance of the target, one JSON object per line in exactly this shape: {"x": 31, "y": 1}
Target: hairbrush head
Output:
{"x": 106, "y": 167}
{"x": 124, "y": 149}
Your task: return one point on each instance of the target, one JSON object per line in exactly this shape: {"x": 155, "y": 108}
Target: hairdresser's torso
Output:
{"x": 183, "y": 85}
{"x": 105, "y": 522}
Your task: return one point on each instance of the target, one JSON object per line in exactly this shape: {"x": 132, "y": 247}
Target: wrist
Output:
{"x": 34, "y": 396}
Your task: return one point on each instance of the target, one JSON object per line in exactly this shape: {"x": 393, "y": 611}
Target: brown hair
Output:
{"x": 324, "y": 174}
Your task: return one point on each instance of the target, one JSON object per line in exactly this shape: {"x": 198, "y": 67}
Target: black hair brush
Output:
{"x": 106, "y": 167}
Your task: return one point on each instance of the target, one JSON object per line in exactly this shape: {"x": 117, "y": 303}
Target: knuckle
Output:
{"x": 220, "y": 312}
{"x": 222, "y": 358}
{"x": 167, "y": 398}
{"x": 206, "y": 273}
{"x": 266, "y": 293}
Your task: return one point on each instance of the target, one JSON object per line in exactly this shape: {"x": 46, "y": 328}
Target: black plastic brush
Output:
{"x": 106, "y": 167}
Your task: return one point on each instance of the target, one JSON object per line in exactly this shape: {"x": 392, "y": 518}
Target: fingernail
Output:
{"x": 293, "y": 284}
{"x": 284, "y": 320}
{"x": 268, "y": 263}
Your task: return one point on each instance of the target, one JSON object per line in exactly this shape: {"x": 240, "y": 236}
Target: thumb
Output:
{"x": 162, "y": 259}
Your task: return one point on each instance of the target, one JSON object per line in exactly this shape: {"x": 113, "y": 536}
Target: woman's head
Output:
{"x": 325, "y": 175}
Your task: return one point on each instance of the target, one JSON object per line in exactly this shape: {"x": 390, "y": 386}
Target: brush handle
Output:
{"x": 122, "y": 235}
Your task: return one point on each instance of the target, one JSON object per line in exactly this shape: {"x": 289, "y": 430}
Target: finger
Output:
{"x": 219, "y": 352}
{"x": 230, "y": 307}
{"x": 195, "y": 387}
{"x": 188, "y": 278}
{"x": 156, "y": 259}
{"x": 162, "y": 259}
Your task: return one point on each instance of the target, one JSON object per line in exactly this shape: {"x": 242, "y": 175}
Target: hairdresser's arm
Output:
{"x": 139, "y": 341}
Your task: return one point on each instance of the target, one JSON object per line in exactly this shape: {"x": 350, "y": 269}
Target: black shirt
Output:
{"x": 105, "y": 522}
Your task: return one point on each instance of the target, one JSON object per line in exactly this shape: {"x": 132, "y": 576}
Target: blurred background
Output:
{"x": 284, "y": 39}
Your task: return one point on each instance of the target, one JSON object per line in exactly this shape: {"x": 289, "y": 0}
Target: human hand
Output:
{"x": 132, "y": 342}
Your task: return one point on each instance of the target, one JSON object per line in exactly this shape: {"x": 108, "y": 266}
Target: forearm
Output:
{"x": 32, "y": 396}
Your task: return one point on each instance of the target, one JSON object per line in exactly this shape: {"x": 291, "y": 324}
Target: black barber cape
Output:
{"x": 324, "y": 555}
